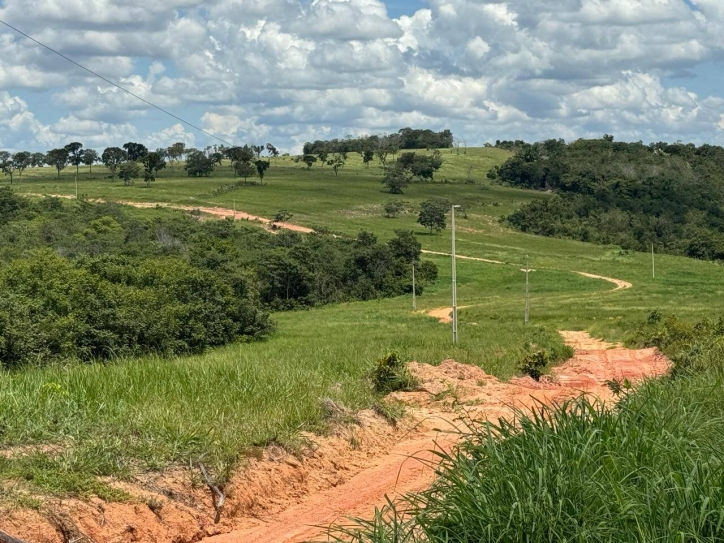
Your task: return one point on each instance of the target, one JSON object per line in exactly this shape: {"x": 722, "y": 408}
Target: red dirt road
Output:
{"x": 400, "y": 469}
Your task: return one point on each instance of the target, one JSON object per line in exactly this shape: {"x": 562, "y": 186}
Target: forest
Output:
{"x": 86, "y": 281}
{"x": 628, "y": 194}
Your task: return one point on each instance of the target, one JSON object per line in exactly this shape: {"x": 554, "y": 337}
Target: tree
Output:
{"x": 90, "y": 157}
{"x": 128, "y": 171}
{"x": 393, "y": 207}
{"x": 112, "y": 158}
{"x": 152, "y": 163}
{"x": 273, "y": 151}
{"x": 4, "y": 155}
{"x": 8, "y": 168}
{"x": 258, "y": 150}
{"x": 337, "y": 162}
{"x": 368, "y": 156}
{"x": 176, "y": 151}
{"x": 22, "y": 161}
{"x": 396, "y": 178}
{"x": 243, "y": 169}
{"x": 37, "y": 160}
{"x": 136, "y": 151}
{"x": 75, "y": 154}
{"x": 198, "y": 164}
{"x": 309, "y": 160}
{"x": 58, "y": 158}
{"x": 323, "y": 154}
{"x": 261, "y": 167}
{"x": 432, "y": 214}
{"x": 405, "y": 246}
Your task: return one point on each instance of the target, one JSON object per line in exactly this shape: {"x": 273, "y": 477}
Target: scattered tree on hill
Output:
{"x": 37, "y": 160}
{"x": 176, "y": 151}
{"x": 22, "y": 161}
{"x": 273, "y": 151}
{"x": 423, "y": 167}
{"x": 128, "y": 171}
{"x": 112, "y": 158}
{"x": 309, "y": 160}
{"x": 4, "y": 155}
{"x": 261, "y": 167}
{"x": 75, "y": 154}
{"x": 58, "y": 158}
{"x": 152, "y": 163}
{"x": 396, "y": 178}
{"x": 367, "y": 157}
{"x": 90, "y": 157}
{"x": 323, "y": 154}
{"x": 244, "y": 169}
{"x": 136, "y": 151}
{"x": 198, "y": 164}
{"x": 337, "y": 162}
{"x": 8, "y": 168}
{"x": 432, "y": 214}
{"x": 393, "y": 207}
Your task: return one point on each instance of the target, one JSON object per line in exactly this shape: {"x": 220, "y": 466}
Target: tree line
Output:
{"x": 134, "y": 160}
{"x": 405, "y": 139}
{"x": 628, "y": 194}
{"x": 91, "y": 282}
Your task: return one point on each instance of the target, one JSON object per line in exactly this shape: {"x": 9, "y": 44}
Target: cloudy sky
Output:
{"x": 287, "y": 71}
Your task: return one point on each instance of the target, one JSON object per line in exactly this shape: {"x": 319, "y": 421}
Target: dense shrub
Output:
{"x": 97, "y": 281}
{"x": 390, "y": 374}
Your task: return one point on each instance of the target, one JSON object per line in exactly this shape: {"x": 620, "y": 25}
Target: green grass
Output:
{"x": 135, "y": 415}
{"x": 650, "y": 470}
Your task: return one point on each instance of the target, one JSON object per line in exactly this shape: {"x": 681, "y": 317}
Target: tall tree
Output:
{"x": 261, "y": 167}
{"x": 152, "y": 163}
{"x": 243, "y": 169}
{"x": 432, "y": 214}
{"x": 112, "y": 158}
{"x": 90, "y": 157}
{"x": 75, "y": 154}
{"x": 22, "y": 161}
{"x": 396, "y": 178}
{"x": 198, "y": 164}
{"x": 128, "y": 171}
{"x": 337, "y": 162}
{"x": 136, "y": 151}
{"x": 273, "y": 151}
{"x": 58, "y": 158}
{"x": 7, "y": 166}
{"x": 37, "y": 160}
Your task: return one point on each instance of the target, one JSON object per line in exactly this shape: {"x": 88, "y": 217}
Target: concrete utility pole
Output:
{"x": 454, "y": 281}
{"x": 653, "y": 263}
{"x": 527, "y": 299}
{"x": 76, "y": 186}
{"x": 414, "y": 294}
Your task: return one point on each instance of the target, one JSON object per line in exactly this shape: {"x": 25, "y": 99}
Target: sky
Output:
{"x": 289, "y": 71}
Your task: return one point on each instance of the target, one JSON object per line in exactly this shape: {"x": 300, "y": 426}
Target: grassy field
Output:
{"x": 144, "y": 414}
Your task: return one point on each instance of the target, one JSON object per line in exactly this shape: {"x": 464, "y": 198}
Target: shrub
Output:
{"x": 534, "y": 364}
{"x": 390, "y": 374}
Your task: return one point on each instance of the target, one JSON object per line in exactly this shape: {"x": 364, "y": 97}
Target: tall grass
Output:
{"x": 650, "y": 470}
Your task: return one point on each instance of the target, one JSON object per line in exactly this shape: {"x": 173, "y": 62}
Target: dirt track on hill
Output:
{"x": 405, "y": 467}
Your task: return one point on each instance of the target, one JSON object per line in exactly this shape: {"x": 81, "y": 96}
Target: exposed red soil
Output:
{"x": 282, "y": 497}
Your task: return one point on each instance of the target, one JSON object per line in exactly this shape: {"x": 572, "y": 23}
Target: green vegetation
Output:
{"x": 649, "y": 470}
{"x": 152, "y": 412}
{"x": 626, "y": 194}
{"x": 129, "y": 285}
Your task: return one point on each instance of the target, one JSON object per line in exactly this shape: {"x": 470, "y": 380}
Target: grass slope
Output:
{"x": 149, "y": 413}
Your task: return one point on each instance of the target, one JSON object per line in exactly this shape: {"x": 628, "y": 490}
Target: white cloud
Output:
{"x": 286, "y": 70}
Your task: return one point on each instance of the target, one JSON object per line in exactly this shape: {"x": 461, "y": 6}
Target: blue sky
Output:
{"x": 288, "y": 71}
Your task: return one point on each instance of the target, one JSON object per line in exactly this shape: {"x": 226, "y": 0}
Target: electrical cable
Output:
{"x": 116, "y": 85}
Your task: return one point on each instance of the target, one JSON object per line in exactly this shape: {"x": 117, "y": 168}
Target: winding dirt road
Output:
{"x": 405, "y": 467}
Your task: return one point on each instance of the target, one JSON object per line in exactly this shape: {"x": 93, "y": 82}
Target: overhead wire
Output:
{"x": 184, "y": 121}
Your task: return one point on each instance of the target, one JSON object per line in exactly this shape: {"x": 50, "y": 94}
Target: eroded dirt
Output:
{"x": 282, "y": 497}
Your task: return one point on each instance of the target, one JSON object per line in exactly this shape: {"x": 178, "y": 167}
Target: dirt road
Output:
{"x": 434, "y": 406}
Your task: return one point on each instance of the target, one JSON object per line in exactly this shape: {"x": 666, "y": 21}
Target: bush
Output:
{"x": 534, "y": 364}
{"x": 390, "y": 374}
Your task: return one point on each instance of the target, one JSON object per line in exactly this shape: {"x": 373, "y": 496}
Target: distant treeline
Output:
{"x": 407, "y": 138}
{"x": 96, "y": 281}
{"x": 628, "y": 194}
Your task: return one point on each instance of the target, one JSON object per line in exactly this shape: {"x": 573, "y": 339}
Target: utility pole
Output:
{"x": 76, "y": 186}
{"x": 653, "y": 263}
{"x": 234, "y": 208}
{"x": 454, "y": 282}
{"x": 414, "y": 294}
{"x": 527, "y": 299}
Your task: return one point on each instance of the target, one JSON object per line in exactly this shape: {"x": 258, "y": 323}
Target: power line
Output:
{"x": 115, "y": 84}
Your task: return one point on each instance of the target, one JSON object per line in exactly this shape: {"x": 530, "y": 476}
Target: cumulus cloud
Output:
{"x": 290, "y": 70}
